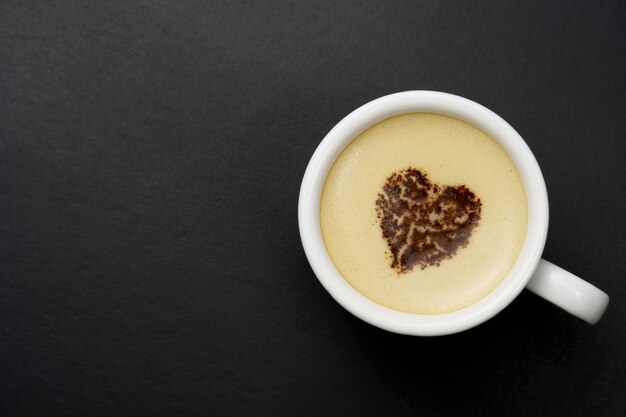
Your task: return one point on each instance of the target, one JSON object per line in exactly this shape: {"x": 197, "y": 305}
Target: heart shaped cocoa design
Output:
{"x": 424, "y": 223}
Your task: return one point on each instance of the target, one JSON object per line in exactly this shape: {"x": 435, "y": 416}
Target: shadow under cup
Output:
{"x": 422, "y": 102}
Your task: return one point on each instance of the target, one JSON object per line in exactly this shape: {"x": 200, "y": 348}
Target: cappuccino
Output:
{"x": 423, "y": 213}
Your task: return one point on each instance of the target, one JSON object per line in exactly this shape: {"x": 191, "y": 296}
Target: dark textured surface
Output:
{"x": 150, "y": 159}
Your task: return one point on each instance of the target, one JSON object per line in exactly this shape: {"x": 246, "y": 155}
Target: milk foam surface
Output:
{"x": 452, "y": 153}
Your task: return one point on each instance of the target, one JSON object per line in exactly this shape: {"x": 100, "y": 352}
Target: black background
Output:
{"x": 150, "y": 160}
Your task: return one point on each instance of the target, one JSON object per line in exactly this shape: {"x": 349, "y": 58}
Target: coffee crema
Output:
{"x": 423, "y": 213}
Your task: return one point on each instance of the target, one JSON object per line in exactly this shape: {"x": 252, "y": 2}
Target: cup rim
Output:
{"x": 431, "y": 102}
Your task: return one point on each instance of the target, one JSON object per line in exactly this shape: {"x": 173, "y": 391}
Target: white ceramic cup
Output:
{"x": 545, "y": 279}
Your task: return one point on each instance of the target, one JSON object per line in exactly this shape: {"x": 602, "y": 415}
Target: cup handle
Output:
{"x": 569, "y": 292}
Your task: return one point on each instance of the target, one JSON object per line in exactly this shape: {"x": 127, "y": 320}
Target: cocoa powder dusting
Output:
{"x": 424, "y": 223}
